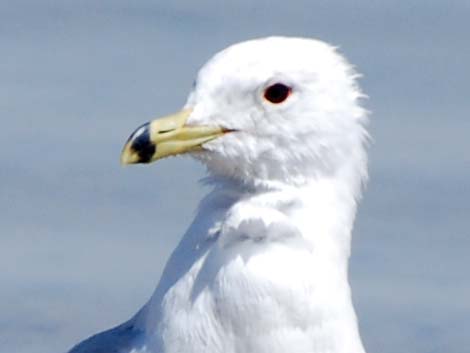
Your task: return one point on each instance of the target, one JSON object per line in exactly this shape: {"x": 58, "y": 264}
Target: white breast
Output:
{"x": 260, "y": 286}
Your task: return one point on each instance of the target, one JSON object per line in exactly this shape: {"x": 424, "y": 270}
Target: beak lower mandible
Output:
{"x": 165, "y": 137}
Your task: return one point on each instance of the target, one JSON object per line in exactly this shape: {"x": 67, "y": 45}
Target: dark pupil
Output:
{"x": 277, "y": 93}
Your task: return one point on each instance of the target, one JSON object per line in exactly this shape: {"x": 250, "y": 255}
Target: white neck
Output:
{"x": 223, "y": 291}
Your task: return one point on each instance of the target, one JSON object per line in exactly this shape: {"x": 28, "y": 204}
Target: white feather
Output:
{"x": 264, "y": 266}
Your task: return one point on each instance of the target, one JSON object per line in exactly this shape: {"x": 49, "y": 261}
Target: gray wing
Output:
{"x": 120, "y": 339}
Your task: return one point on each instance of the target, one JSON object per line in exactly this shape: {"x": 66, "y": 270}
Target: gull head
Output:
{"x": 275, "y": 109}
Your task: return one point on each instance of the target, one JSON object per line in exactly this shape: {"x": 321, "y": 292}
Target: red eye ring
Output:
{"x": 277, "y": 93}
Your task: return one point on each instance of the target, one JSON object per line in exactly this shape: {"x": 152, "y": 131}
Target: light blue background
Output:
{"x": 83, "y": 241}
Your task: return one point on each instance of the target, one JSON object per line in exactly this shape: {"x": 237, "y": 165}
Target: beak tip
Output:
{"x": 124, "y": 162}
{"x": 125, "y": 159}
{"x": 138, "y": 148}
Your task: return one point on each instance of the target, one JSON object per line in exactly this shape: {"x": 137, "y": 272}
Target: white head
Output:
{"x": 315, "y": 127}
{"x": 314, "y": 131}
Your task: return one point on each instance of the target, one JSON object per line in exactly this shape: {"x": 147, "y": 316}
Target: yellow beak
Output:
{"x": 165, "y": 137}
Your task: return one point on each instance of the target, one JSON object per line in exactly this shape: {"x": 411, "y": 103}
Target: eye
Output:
{"x": 277, "y": 93}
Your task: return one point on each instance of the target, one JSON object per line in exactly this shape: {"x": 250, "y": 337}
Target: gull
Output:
{"x": 263, "y": 268}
